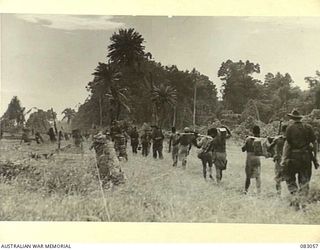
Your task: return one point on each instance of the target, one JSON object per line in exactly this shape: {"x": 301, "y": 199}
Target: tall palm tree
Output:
{"x": 118, "y": 99}
{"x": 68, "y": 113}
{"x": 126, "y": 48}
{"x": 163, "y": 96}
{"x": 104, "y": 76}
{"x": 106, "y": 84}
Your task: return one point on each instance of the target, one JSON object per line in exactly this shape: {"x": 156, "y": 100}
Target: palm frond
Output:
{"x": 123, "y": 96}
{"x": 126, "y": 47}
{"x": 164, "y": 95}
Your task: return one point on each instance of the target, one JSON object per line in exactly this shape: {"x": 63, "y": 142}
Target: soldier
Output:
{"x": 205, "y": 154}
{"x": 66, "y": 136}
{"x": 145, "y": 143}
{"x": 173, "y": 146}
{"x": 77, "y": 138}
{"x": 253, "y": 164}
{"x": 220, "y": 156}
{"x": 107, "y": 162}
{"x": 25, "y": 136}
{"x": 38, "y": 138}
{"x": 157, "y": 142}
{"x": 298, "y": 155}
{"x": 114, "y": 129}
{"x": 120, "y": 145}
{"x": 277, "y": 147}
{"x": 52, "y": 135}
{"x": 98, "y": 143}
{"x": 185, "y": 142}
{"x": 134, "y": 138}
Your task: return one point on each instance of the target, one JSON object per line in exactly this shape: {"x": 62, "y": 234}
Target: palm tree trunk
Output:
{"x": 162, "y": 117}
{"x": 100, "y": 109}
{"x": 118, "y": 110}
{"x": 257, "y": 111}
{"x": 156, "y": 118}
{"x": 174, "y": 116}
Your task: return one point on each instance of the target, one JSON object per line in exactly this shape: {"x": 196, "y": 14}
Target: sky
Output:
{"x": 47, "y": 60}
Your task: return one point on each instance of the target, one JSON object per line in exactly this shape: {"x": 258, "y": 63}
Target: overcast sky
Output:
{"x": 47, "y": 60}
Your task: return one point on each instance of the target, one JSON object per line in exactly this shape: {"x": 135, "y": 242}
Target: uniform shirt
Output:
{"x": 299, "y": 135}
{"x": 145, "y": 139}
{"x": 134, "y": 136}
{"x": 120, "y": 140}
{"x": 114, "y": 130}
{"x": 157, "y": 136}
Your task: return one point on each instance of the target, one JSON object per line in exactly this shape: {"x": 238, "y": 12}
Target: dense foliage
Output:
{"x": 130, "y": 85}
{"x": 39, "y": 121}
{"x": 14, "y": 113}
{"x": 268, "y": 101}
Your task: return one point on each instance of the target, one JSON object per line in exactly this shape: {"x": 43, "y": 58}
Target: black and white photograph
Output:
{"x": 132, "y": 118}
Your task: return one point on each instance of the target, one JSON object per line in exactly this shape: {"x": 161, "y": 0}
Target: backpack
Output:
{"x": 205, "y": 146}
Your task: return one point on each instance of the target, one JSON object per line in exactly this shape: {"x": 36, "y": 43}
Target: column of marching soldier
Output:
{"x": 293, "y": 152}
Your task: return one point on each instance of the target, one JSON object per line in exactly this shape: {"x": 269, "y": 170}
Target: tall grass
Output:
{"x": 67, "y": 189}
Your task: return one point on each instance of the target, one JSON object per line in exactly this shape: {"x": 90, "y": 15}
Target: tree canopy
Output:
{"x": 131, "y": 85}
{"x": 238, "y": 85}
{"x": 15, "y": 111}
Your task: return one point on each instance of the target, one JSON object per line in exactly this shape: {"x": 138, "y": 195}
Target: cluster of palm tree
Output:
{"x": 106, "y": 86}
{"x": 112, "y": 88}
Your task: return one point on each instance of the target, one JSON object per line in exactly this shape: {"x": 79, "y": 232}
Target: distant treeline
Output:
{"x": 131, "y": 85}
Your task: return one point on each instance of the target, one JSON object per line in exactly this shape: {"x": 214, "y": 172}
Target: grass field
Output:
{"x": 65, "y": 188}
